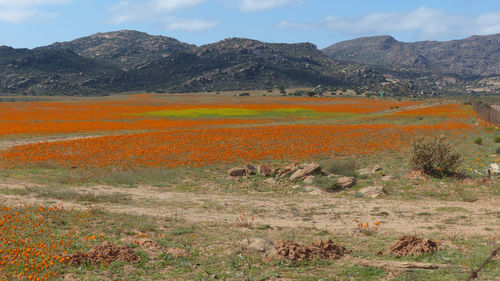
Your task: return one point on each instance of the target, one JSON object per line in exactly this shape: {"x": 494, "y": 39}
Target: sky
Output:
{"x": 33, "y": 23}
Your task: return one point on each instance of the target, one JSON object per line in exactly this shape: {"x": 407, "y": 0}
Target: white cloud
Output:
{"x": 13, "y": 11}
{"x": 263, "y": 5}
{"x": 424, "y": 23}
{"x": 159, "y": 11}
{"x": 191, "y": 25}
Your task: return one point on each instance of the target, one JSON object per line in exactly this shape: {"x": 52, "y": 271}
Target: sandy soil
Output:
{"x": 323, "y": 211}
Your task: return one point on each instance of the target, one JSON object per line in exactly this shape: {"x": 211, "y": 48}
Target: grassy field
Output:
{"x": 150, "y": 172}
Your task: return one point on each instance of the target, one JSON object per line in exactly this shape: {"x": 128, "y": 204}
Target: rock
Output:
{"x": 237, "y": 172}
{"x": 495, "y": 168}
{"x": 346, "y": 182}
{"x": 309, "y": 179}
{"x": 369, "y": 171}
{"x": 264, "y": 170}
{"x": 297, "y": 186}
{"x": 364, "y": 172}
{"x": 333, "y": 176}
{"x": 312, "y": 168}
{"x": 259, "y": 245}
{"x": 291, "y": 168}
{"x": 388, "y": 178}
{"x": 250, "y": 169}
{"x": 372, "y": 191}
{"x": 313, "y": 190}
{"x": 309, "y": 169}
{"x": 270, "y": 181}
{"x": 298, "y": 174}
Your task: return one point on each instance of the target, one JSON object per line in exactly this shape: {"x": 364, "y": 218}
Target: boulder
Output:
{"x": 290, "y": 168}
{"x": 372, "y": 191}
{"x": 250, "y": 169}
{"x": 346, "y": 182}
{"x": 259, "y": 245}
{"x": 364, "y": 172}
{"x": 270, "y": 181}
{"x": 309, "y": 179}
{"x": 264, "y": 170}
{"x": 388, "y": 178}
{"x": 495, "y": 169}
{"x": 369, "y": 171}
{"x": 309, "y": 169}
{"x": 237, "y": 172}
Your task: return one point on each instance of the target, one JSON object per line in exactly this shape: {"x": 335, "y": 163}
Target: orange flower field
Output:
{"x": 29, "y": 248}
{"x": 210, "y": 146}
{"x": 170, "y": 139}
{"x": 106, "y": 116}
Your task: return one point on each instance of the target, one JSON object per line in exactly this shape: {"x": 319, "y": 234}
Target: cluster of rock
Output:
{"x": 310, "y": 173}
{"x": 249, "y": 170}
{"x": 305, "y": 173}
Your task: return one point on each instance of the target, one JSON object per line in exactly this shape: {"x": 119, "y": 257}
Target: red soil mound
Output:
{"x": 326, "y": 250}
{"x": 105, "y": 252}
{"x": 411, "y": 245}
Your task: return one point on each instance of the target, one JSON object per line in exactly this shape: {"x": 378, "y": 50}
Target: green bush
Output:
{"x": 498, "y": 150}
{"x": 497, "y": 139}
{"x": 343, "y": 167}
{"x": 478, "y": 141}
{"x": 434, "y": 156}
{"x": 327, "y": 184}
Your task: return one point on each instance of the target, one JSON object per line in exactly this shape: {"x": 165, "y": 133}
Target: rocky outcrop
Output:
{"x": 470, "y": 57}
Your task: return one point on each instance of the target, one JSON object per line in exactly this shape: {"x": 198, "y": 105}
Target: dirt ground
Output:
{"x": 321, "y": 211}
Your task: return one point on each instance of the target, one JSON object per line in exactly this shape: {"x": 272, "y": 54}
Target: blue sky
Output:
{"x": 32, "y": 23}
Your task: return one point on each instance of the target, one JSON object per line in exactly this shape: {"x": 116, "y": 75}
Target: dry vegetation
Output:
{"x": 136, "y": 188}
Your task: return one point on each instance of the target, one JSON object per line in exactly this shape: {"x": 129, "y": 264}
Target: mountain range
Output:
{"x": 473, "y": 57}
{"x": 131, "y": 61}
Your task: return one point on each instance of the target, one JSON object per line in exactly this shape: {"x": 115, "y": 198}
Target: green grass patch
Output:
{"x": 207, "y": 113}
{"x": 452, "y": 209}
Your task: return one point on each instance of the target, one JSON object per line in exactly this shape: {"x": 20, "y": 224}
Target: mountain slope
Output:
{"x": 48, "y": 71}
{"x": 127, "y": 48}
{"x": 476, "y": 56}
{"x": 237, "y": 63}
{"x": 127, "y": 60}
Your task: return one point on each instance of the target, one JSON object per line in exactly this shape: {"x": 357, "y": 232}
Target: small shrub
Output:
{"x": 498, "y": 150}
{"x": 343, "y": 167}
{"x": 327, "y": 184}
{"x": 434, "y": 156}
{"x": 478, "y": 141}
{"x": 496, "y": 139}
{"x": 245, "y": 221}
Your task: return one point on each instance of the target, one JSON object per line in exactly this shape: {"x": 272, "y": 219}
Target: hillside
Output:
{"x": 473, "y": 57}
{"x": 127, "y": 48}
{"x": 237, "y": 63}
{"x": 48, "y": 72}
{"x": 130, "y": 60}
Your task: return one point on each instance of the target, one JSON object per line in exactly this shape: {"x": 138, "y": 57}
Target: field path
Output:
{"x": 303, "y": 210}
{"x": 8, "y": 143}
